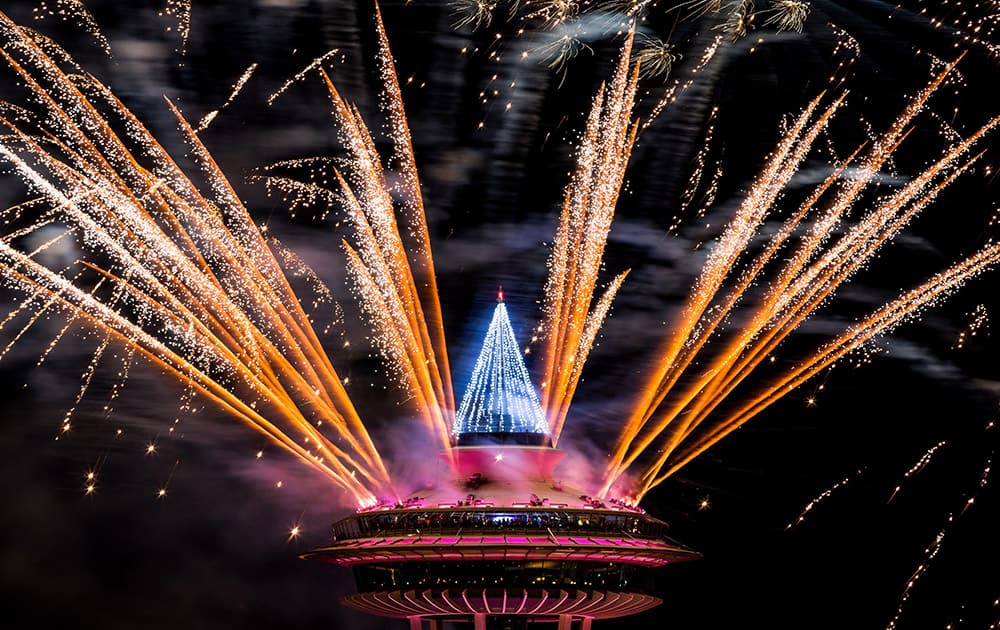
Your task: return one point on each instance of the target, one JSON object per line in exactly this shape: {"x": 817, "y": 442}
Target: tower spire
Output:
{"x": 500, "y": 397}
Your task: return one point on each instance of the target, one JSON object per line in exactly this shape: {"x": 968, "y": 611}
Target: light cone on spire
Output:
{"x": 500, "y": 397}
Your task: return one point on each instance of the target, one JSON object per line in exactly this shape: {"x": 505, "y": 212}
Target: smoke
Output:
{"x": 414, "y": 459}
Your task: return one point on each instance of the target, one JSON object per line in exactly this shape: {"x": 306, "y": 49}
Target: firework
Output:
{"x": 74, "y": 11}
{"x": 787, "y": 15}
{"x": 473, "y": 13}
{"x": 570, "y": 326}
{"x": 301, "y": 74}
{"x": 979, "y": 320}
{"x": 551, "y": 13}
{"x": 739, "y": 19}
{"x": 655, "y": 58}
{"x": 185, "y": 281}
{"x": 934, "y": 548}
{"x": 390, "y": 289}
{"x": 179, "y": 10}
{"x": 820, "y": 498}
{"x": 191, "y": 283}
{"x": 677, "y": 407}
{"x": 210, "y": 116}
{"x": 919, "y": 465}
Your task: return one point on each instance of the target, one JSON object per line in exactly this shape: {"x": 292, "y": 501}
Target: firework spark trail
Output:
{"x": 550, "y": 13}
{"x": 383, "y": 319}
{"x": 736, "y": 236}
{"x": 904, "y": 308}
{"x": 298, "y": 194}
{"x": 380, "y": 299}
{"x": 934, "y": 548}
{"x": 920, "y": 464}
{"x": 679, "y": 87}
{"x": 70, "y": 321}
{"x": 25, "y": 274}
{"x": 299, "y": 268}
{"x": 578, "y": 250}
{"x": 76, "y": 11}
{"x": 817, "y": 293}
{"x": 87, "y": 376}
{"x": 799, "y": 289}
{"x": 564, "y": 249}
{"x": 315, "y": 64}
{"x": 390, "y": 288}
{"x": 416, "y": 220}
{"x": 821, "y": 497}
{"x": 127, "y": 361}
{"x": 181, "y": 10}
{"x": 591, "y": 328}
{"x": 37, "y": 313}
{"x": 688, "y": 196}
{"x": 764, "y": 346}
{"x": 979, "y": 319}
{"x": 298, "y": 334}
{"x": 472, "y": 13}
{"x": 237, "y": 88}
{"x": 877, "y": 234}
{"x": 197, "y": 272}
{"x": 970, "y": 24}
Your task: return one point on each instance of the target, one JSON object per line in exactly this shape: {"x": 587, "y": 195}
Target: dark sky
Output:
{"x": 215, "y": 552}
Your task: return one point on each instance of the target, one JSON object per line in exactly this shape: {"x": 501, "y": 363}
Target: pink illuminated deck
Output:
{"x": 650, "y": 553}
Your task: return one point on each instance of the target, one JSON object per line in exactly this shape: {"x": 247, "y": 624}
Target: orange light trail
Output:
{"x": 569, "y": 325}
{"x": 191, "y": 284}
{"x": 387, "y": 284}
{"x": 675, "y": 404}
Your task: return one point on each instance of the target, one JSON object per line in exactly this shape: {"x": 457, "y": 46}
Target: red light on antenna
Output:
{"x": 500, "y": 294}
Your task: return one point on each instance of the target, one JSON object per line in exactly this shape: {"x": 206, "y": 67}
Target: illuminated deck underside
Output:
{"x": 502, "y": 602}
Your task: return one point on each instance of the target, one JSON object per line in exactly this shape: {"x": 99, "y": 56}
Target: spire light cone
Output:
{"x": 500, "y": 397}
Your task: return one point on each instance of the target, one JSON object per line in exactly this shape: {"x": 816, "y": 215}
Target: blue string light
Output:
{"x": 500, "y": 397}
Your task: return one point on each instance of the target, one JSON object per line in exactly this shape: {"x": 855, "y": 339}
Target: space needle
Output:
{"x": 504, "y": 543}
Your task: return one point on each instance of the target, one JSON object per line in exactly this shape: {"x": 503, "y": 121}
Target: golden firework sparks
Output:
{"x": 188, "y": 282}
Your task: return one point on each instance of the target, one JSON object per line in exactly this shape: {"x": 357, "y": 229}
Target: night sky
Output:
{"x": 215, "y": 552}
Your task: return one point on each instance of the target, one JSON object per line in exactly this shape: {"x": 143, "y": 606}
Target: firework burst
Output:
{"x": 655, "y": 58}
{"x": 189, "y": 282}
{"x": 185, "y": 281}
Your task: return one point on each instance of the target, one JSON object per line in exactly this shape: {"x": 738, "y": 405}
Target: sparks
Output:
{"x": 823, "y": 496}
{"x": 920, "y": 464}
{"x": 189, "y": 283}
